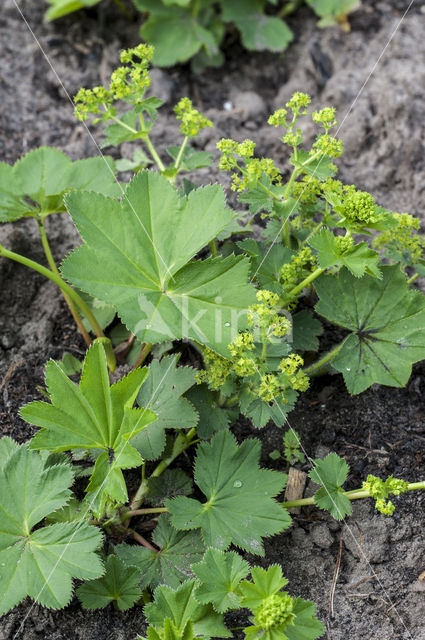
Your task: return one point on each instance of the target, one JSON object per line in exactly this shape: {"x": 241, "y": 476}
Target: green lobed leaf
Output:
{"x": 42, "y": 562}
{"x": 321, "y": 168}
{"x": 60, "y": 8}
{"x": 162, "y": 393}
{"x": 359, "y": 259}
{"x": 172, "y": 565}
{"x": 331, "y": 473}
{"x": 387, "y": 321}
{"x": 266, "y": 262}
{"x": 181, "y": 606}
{"x": 305, "y": 331}
{"x": 92, "y": 416}
{"x": 265, "y": 583}
{"x": 158, "y": 295}
{"x": 212, "y": 418}
{"x": 258, "y": 31}
{"x": 220, "y": 573}
{"x": 190, "y": 159}
{"x": 240, "y": 508}
{"x": 119, "y": 585}
{"x": 172, "y": 482}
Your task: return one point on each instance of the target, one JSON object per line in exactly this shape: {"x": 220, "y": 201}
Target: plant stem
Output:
{"x": 355, "y": 494}
{"x": 181, "y": 443}
{"x": 313, "y": 368}
{"x": 413, "y": 278}
{"x": 141, "y": 540}
{"x": 213, "y": 248}
{"x": 287, "y": 9}
{"x": 146, "y": 349}
{"x": 315, "y": 274}
{"x": 180, "y": 154}
{"x": 145, "y": 136}
{"x": 52, "y": 264}
{"x": 65, "y": 288}
{"x": 144, "y": 512}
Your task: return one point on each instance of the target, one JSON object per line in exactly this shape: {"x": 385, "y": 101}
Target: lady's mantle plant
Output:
{"x": 168, "y": 259}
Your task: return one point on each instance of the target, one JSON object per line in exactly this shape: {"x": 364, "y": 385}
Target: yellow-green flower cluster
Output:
{"x": 275, "y": 612}
{"x": 297, "y": 379}
{"x": 298, "y": 102}
{"x": 328, "y": 146}
{"x": 293, "y": 139}
{"x": 278, "y": 118}
{"x": 380, "y": 490}
{"x": 265, "y": 317}
{"x": 192, "y": 121}
{"x": 359, "y": 206}
{"x": 270, "y": 388}
{"x": 217, "y": 370}
{"x": 127, "y": 83}
{"x": 243, "y": 365}
{"x": 403, "y": 237}
{"x": 232, "y": 150}
{"x": 306, "y": 190}
{"x": 292, "y": 272}
{"x": 325, "y": 117}
{"x": 345, "y": 243}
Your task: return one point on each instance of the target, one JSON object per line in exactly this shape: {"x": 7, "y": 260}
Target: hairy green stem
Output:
{"x": 213, "y": 248}
{"x": 413, "y": 278}
{"x": 181, "y": 443}
{"x": 65, "y": 288}
{"x": 315, "y": 274}
{"x": 328, "y": 357}
{"x": 355, "y": 494}
{"x": 52, "y": 264}
{"x": 145, "y": 137}
{"x": 181, "y": 151}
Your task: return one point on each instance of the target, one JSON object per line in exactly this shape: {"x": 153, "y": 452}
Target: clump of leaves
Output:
{"x": 291, "y": 448}
{"x": 193, "y": 30}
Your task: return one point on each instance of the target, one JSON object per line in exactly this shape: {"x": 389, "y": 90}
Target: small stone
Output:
{"x": 250, "y": 103}
{"x": 162, "y": 86}
{"x": 321, "y": 536}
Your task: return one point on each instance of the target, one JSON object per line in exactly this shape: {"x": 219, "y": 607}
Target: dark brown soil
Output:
{"x": 375, "y": 76}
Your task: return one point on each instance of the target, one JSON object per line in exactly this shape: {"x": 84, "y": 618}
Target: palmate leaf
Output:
{"x": 149, "y": 238}
{"x": 181, "y": 606}
{"x": 42, "y": 562}
{"x": 172, "y": 564}
{"x": 387, "y": 321}
{"x": 162, "y": 393}
{"x": 331, "y": 473}
{"x": 119, "y": 585}
{"x": 92, "y": 416}
{"x": 212, "y": 418}
{"x": 359, "y": 259}
{"x": 240, "y": 508}
{"x": 220, "y": 574}
{"x": 37, "y": 182}
{"x": 258, "y": 30}
{"x": 172, "y": 482}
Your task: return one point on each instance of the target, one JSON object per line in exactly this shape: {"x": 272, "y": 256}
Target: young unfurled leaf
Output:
{"x": 172, "y": 564}
{"x": 37, "y": 182}
{"x": 387, "y": 321}
{"x": 172, "y": 482}
{"x": 220, "y": 574}
{"x": 240, "y": 508}
{"x": 158, "y": 295}
{"x": 40, "y": 562}
{"x": 359, "y": 259}
{"x": 331, "y": 473}
{"x": 60, "y": 8}
{"x": 277, "y": 616}
{"x": 119, "y": 585}
{"x": 92, "y": 416}
{"x": 162, "y": 393}
{"x": 181, "y": 606}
